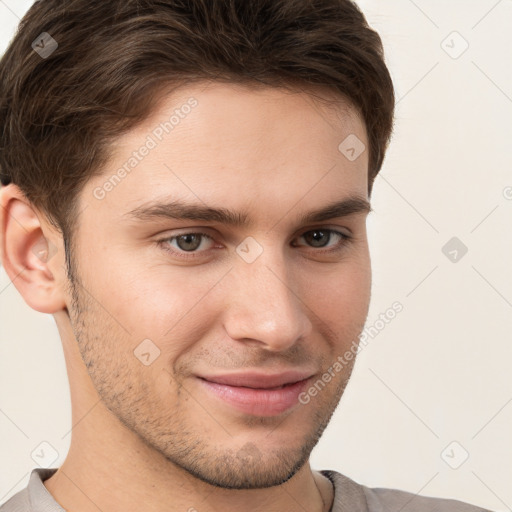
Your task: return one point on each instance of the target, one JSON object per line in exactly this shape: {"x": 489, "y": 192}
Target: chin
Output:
{"x": 248, "y": 466}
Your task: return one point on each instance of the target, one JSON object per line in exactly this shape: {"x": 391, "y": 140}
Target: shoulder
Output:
{"x": 368, "y": 499}
{"x": 34, "y": 496}
{"x": 17, "y": 503}
{"x": 393, "y": 499}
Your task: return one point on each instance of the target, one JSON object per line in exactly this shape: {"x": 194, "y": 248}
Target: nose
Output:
{"x": 265, "y": 306}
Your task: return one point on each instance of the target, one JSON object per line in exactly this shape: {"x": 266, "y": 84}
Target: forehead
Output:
{"x": 236, "y": 144}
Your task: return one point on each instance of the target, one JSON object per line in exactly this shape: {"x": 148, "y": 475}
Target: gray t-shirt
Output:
{"x": 349, "y": 496}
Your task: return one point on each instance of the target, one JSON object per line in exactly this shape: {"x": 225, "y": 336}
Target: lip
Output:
{"x": 258, "y": 394}
{"x": 258, "y": 380}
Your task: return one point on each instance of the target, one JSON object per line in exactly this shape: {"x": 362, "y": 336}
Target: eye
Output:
{"x": 319, "y": 238}
{"x": 185, "y": 242}
{"x": 187, "y": 245}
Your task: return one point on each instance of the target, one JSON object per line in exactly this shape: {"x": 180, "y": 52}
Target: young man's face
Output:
{"x": 173, "y": 339}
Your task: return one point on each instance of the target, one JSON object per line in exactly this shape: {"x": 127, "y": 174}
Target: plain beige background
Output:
{"x": 429, "y": 407}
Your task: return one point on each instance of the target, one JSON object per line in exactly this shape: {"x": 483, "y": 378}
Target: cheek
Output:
{"x": 169, "y": 305}
{"x": 340, "y": 296}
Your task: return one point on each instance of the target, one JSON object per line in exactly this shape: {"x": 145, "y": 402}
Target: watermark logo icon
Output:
{"x": 454, "y": 45}
{"x": 249, "y": 250}
{"x": 44, "y": 250}
{"x": 146, "y": 352}
{"x": 44, "y": 45}
{"x": 44, "y": 454}
{"x": 454, "y": 250}
{"x": 352, "y": 147}
{"x": 455, "y": 455}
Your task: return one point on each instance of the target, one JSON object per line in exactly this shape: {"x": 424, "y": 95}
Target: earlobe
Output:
{"x": 27, "y": 254}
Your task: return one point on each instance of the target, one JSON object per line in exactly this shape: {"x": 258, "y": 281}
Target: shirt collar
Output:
{"x": 40, "y": 498}
{"x": 348, "y": 495}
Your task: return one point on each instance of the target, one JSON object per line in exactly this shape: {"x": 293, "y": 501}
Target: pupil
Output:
{"x": 316, "y": 235}
{"x": 188, "y": 239}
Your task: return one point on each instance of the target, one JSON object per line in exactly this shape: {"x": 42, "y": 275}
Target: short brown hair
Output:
{"x": 59, "y": 114}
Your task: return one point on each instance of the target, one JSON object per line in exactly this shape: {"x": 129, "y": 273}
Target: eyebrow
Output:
{"x": 181, "y": 210}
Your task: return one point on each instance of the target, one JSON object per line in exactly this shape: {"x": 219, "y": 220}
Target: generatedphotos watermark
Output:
{"x": 152, "y": 141}
{"x": 366, "y": 335}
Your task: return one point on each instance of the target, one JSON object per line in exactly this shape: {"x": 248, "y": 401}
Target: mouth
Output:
{"x": 257, "y": 394}
{"x": 259, "y": 380}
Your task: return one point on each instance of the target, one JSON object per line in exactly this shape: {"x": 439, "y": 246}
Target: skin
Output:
{"x": 150, "y": 433}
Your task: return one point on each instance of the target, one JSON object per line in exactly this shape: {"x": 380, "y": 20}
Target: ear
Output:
{"x": 31, "y": 259}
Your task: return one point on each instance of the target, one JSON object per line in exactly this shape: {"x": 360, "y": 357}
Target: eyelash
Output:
{"x": 163, "y": 243}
